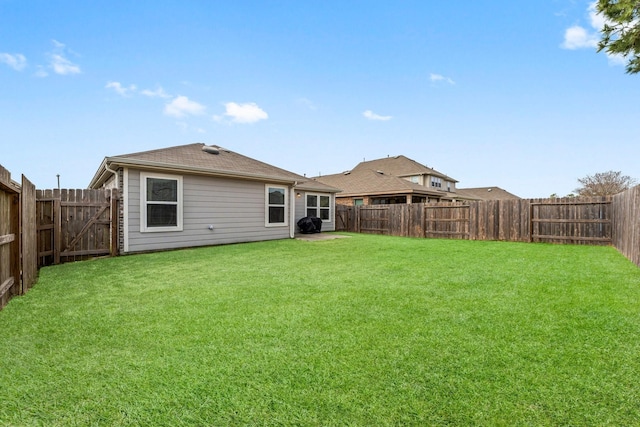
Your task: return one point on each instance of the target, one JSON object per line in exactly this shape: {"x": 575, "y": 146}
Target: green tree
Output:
{"x": 621, "y": 31}
{"x": 604, "y": 184}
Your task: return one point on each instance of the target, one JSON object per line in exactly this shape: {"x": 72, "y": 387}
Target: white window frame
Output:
{"x": 318, "y": 195}
{"x": 144, "y": 202}
{"x": 267, "y": 205}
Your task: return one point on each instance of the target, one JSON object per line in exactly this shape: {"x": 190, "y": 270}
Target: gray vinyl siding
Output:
{"x": 235, "y": 209}
{"x": 300, "y": 211}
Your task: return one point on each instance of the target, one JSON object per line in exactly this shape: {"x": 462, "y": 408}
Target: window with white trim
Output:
{"x": 436, "y": 182}
{"x": 160, "y": 202}
{"x": 276, "y": 206}
{"x": 319, "y": 205}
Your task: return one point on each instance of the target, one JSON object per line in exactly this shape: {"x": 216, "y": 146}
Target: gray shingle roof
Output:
{"x": 191, "y": 158}
{"x": 362, "y": 181}
{"x": 401, "y": 166}
{"x": 486, "y": 193}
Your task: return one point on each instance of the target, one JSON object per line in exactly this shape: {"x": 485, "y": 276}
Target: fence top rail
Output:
{"x": 598, "y": 202}
{"x": 9, "y": 186}
{"x": 446, "y": 206}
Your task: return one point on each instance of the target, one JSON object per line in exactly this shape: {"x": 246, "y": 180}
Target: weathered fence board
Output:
{"x": 576, "y": 221}
{"x": 374, "y": 219}
{"x": 572, "y": 221}
{"x": 449, "y": 220}
{"x": 10, "y": 278}
{"x": 626, "y": 230}
{"x": 29, "y": 234}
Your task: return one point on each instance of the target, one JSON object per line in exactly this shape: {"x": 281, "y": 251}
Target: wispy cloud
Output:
{"x": 307, "y": 103}
{"x": 41, "y": 72}
{"x": 158, "y": 93}
{"x": 16, "y": 61}
{"x": 440, "y": 78}
{"x": 181, "y": 106}
{"x": 373, "y": 116}
{"x": 242, "y": 113}
{"x": 187, "y": 128}
{"x": 121, "y": 90}
{"x": 58, "y": 61}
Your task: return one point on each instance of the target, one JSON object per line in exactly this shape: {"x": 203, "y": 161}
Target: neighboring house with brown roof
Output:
{"x": 391, "y": 180}
{"x": 197, "y": 195}
{"x": 486, "y": 193}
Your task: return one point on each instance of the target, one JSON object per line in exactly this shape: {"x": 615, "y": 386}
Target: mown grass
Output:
{"x": 366, "y": 330}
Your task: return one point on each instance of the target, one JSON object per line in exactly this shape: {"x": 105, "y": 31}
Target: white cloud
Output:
{"x": 307, "y": 103}
{"x": 16, "y": 61}
{"x": 123, "y": 91}
{"x": 597, "y": 20}
{"x": 63, "y": 66}
{"x": 40, "y": 72}
{"x": 616, "y": 59}
{"x": 440, "y": 78}
{"x": 373, "y": 116}
{"x": 181, "y": 106}
{"x": 577, "y": 37}
{"x": 158, "y": 93}
{"x": 59, "y": 62}
{"x": 243, "y": 113}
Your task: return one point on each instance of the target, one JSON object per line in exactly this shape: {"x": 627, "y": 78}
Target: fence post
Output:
{"x": 114, "y": 222}
{"x": 57, "y": 228}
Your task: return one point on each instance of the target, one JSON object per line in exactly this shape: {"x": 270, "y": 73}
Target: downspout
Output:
{"x": 115, "y": 173}
{"x": 292, "y": 211}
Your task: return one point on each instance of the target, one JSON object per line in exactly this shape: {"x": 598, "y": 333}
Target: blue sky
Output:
{"x": 495, "y": 93}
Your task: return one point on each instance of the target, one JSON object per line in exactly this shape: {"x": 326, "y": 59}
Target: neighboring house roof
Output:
{"x": 368, "y": 182}
{"x": 205, "y": 160}
{"x": 385, "y": 177}
{"x": 401, "y": 166}
{"x": 485, "y": 193}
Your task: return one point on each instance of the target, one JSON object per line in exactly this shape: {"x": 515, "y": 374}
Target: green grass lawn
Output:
{"x": 361, "y": 331}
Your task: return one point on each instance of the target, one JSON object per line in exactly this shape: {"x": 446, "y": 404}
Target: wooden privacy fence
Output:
{"x": 561, "y": 220}
{"x": 76, "y": 224}
{"x": 626, "y": 229}
{"x": 44, "y": 227}
{"x": 18, "y": 262}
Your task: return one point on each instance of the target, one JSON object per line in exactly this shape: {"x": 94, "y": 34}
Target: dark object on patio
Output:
{"x": 310, "y": 224}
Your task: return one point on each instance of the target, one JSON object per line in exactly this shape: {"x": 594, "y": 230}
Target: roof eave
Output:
{"x": 394, "y": 193}
{"x": 102, "y": 175}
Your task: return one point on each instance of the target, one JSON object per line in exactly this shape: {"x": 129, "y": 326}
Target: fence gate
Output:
{"x": 448, "y": 221}
{"x": 343, "y": 218}
{"x": 76, "y": 224}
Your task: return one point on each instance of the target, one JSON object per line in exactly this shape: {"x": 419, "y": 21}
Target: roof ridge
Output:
{"x": 158, "y": 150}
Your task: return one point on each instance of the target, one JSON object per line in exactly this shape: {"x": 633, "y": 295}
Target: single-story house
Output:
{"x": 197, "y": 195}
